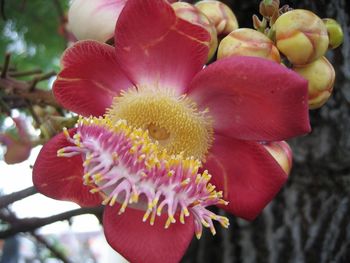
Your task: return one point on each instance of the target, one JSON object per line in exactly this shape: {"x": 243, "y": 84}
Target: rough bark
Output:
{"x": 309, "y": 221}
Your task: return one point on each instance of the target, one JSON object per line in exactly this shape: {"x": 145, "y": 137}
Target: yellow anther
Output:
{"x": 115, "y": 157}
{"x": 123, "y": 207}
{"x": 170, "y": 220}
{"x": 113, "y": 200}
{"x": 153, "y": 218}
{"x": 210, "y": 187}
{"x": 224, "y": 221}
{"x": 60, "y": 152}
{"x": 213, "y": 216}
{"x": 141, "y": 157}
{"x": 134, "y": 198}
{"x": 198, "y": 234}
{"x": 171, "y": 173}
{"x": 146, "y": 215}
{"x": 155, "y": 201}
{"x": 86, "y": 178}
{"x": 98, "y": 177}
{"x": 106, "y": 200}
{"x": 94, "y": 190}
{"x": 87, "y": 162}
{"x": 204, "y": 223}
{"x": 186, "y": 211}
{"x": 212, "y": 230}
{"x": 222, "y": 202}
{"x": 198, "y": 178}
{"x": 182, "y": 218}
{"x": 159, "y": 210}
{"x": 185, "y": 182}
{"x": 66, "y": 133}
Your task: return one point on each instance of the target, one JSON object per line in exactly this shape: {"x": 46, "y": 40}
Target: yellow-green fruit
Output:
{"x": 248, "y": 42}
{"x": 335, "y": 32}
{"x": 220, "y": 15}
{"x": 301, "y": 36}
{"x": 193, "y": 15}
{"x": 282, "y": 153}
{"x": 321, "y": 76}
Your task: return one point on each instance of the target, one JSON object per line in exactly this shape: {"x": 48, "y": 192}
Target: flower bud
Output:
{"x": 321, "y": 76}
{"x": 18, "y": 147}
{"x": 248, "y": 42}
{"x": 282, "y": 153}
{"x": 193, "y": 15}
{"x": 335, "y": 32}
{"x": 94, "y": 19}
{"x": 268, "y": 10}
{"x": 220, "y": 15}
{"x": 301, "y": 36}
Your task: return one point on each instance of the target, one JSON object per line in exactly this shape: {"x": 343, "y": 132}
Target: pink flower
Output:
{"x": 94, "y": 19}
{"x": 163, "y": 116}
{"x": 18, "y": 147}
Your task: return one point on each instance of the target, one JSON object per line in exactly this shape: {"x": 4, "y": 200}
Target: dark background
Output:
{"x": 309, "y": 221}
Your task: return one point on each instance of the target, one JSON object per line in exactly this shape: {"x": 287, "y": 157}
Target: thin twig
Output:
{"x": 6, "y": 66}
{"x": 4, "y": 107}
{"x": 5, "y": 200}
{"x": 41, "y": 78}
{"x": 58, "y": 254}
{"x": 25, "y": 73}
{"x": 2, "y": 9}
{"x": 30, "y": 224}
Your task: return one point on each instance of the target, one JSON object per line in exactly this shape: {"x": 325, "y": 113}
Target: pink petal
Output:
{"x": 156, "y": 48}
{"x": 246, "y": 173}
{"x": 90, "y": 78}
{"x": 62, "y": 178}
{"x": 94, "y": 19}
{"x": 253, "y": 99}
{"x": 17, "y": 151}
{"x": 138, "y": 241}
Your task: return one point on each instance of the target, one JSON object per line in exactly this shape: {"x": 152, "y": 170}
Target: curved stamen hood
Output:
{"x": 124, "y": 165}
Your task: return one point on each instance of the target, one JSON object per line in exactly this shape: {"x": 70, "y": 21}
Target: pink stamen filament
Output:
{"x": 123, "y": 164}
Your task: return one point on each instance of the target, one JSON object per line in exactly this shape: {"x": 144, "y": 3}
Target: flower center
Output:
{"x": 173, "y": 121}
{"x": 124, "y": 165}
{"x": 158, "y": 133}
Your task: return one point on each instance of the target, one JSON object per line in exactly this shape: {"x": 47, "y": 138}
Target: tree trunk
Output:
{"x": 309, "y": 221}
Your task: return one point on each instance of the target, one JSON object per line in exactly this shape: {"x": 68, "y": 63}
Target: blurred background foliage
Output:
{"x": 32, "y": 31}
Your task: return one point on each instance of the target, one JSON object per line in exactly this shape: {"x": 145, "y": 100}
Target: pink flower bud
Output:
{"x": 193, "y": 15}
{"x": 17, "y": 147}
{"x": 220, "y": 15}
{"x": 282, "y": 153}
{"x": 301, "y": 36}
{"x": 321, "y": 76}
{"x": 94, "y": 19}
{"x": 248, "y": 42}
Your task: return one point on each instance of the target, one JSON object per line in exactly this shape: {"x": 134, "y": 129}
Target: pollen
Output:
{"x": 174, "y": 121}
{"x": 126, "y": 166}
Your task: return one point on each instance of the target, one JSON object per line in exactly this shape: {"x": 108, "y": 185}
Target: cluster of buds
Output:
{"x": 216, "y": 17}
{"x": 297, "y": 38}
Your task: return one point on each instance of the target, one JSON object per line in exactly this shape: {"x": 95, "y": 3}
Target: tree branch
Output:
{"x": 6, "y": 65}
{"x": 54, "y": 251}
{"x": 30, "y": 224}
{"x": 5, "y": 200}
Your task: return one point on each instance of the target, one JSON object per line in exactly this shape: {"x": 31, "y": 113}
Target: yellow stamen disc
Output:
{"x": 174, "y": 121}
